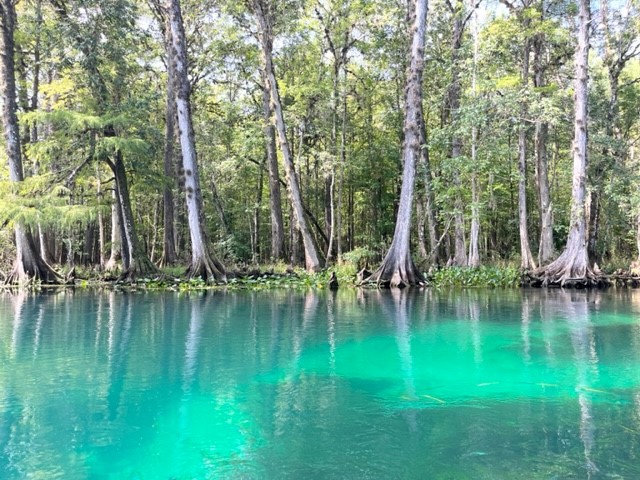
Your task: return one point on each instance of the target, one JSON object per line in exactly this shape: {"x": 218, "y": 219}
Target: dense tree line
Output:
{"x": 145, "y": 134}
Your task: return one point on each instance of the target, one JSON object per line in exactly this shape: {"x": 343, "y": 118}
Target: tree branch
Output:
{"x": 509, "y": 5}
{"x": 449, "y": 6}
{"x": 466, "y": 19}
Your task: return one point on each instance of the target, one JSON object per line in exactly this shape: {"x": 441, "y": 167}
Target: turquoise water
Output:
{"x": 436, "y": 385}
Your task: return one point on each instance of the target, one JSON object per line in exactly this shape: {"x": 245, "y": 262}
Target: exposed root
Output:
{"x": 569, "y": 270}
{"x": 38, "y": 272}
{"x": 395, "y": 274}
{"x": 112, "y": 266}
{"x": 208, "y": 269}
{"x": 362, "y": 275}
{"x": 139, "y": 268}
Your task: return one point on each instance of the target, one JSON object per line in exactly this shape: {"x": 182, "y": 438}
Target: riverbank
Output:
{"x": 265, "y": 277}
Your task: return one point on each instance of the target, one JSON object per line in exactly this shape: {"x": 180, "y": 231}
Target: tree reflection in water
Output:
{"x": 461, "y": 383}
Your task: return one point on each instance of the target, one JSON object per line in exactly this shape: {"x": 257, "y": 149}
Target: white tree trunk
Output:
{"x": 169, "y": 254}
{"x": 202, "y": 264}
{"x": 398, "y": 269}
{"x": 572, "y": 266}
{"x": 312, "y": 260}
{"x": 474, "y": 253}
{"x": 526, "y": 258}
{"x": 275, "y": 198}
{"x": 116, "y": 239}
{"x": 29, "y": 264}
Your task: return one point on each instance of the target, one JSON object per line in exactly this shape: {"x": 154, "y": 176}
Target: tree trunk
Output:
{"x": 421, "y": 224}
{"x": 101, "y": 230}
{"x": 154, "y": 233}
{"x": 429, "y": 207}
{"x": 217, "y": 203}
{"x": 474, "y": 253}
{"x": 453, "y": 98}
{"x": 638, "y": 237}
{"x": 275, "y": 199}
{"x": 526, "y": 258}
{"x": 169, "y": 254}
{"x": 398, "y": 269}
{"x": 546, "y": 249}
{"x": 116, "y": 235}
{"x": 332, "y": 224}
{"x": 88, "y": 247}
{"x": 341, "y": 166}
{"x": 28, "y": 264}
{"x": 203, "y": 265}
{"x": 617, "y": 53}
{"x": 312, "y": 261}
{"x": 572, "y": 266}
{"x": 340, "y": 54}
{"x": 256, "y": 219}
{"x": 331, "y": 174}
{"x": 135, "y": 260}
{"x": 35, "y": 92}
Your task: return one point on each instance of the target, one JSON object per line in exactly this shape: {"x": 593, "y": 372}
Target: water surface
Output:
{"x": 286, "y": 384}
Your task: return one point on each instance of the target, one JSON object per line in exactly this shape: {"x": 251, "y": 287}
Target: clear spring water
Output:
{"x": 286, "y": 384}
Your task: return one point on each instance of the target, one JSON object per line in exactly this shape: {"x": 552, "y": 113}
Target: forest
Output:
{"x": 213, "y": 135}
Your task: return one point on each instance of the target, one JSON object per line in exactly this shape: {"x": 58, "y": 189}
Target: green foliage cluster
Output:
{"x": 508, "y": 276}
{"x": 484, "y": 276}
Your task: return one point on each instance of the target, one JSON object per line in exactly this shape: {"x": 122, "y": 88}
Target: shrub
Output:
{"x": 484, "y": 276}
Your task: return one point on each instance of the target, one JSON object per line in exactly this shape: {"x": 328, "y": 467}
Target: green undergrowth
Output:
{"x": 276, "y": 276}
{"x": 484, "y": 276}
{"x": 260, "y": 278}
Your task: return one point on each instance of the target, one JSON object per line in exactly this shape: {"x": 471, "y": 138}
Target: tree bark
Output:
{"x": 330, "y": 177}
{"x": 526, "y": 258}
{"x": 169, "y": 254}
{"x": 275, "y": 198}
{"x": 398, "y": 269}
{"x": 135, "y": 260}
{"x": 116, "y": 236}
{"x": 429, "y": 207}
{"x": 617, "y": 52}
{"x": 101, "y": 233}
{"x": 341, "y": 166}
{"x": 638, "y": 237}
{"x": 474, "y": 253}
{"x": 203, "y": 265}
{"x": 453, "y": 97}
{"x": 28, "y": 265}
{"x": 573, "y": 266}
{"x": 546, "y": 249}
{"x": 312, "y": 260}
{"x": 255, "y": 221}
{"x": 35, "y": 92}
{"x": 340, "y": 57}
{"x": 421, "y": 224}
